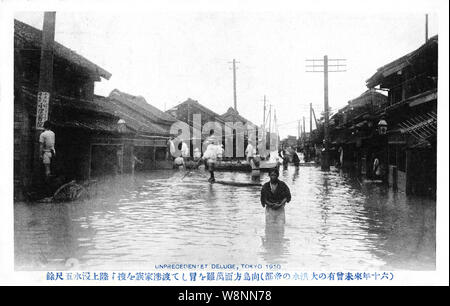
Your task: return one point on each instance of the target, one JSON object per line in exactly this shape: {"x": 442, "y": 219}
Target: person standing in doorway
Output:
{"x": 341, "y": 156}
{"x": 119, "y": 160}
{"x": 47, "y": 147}
{"x": 377, "y": 169}
{"x": 134, "y": 160}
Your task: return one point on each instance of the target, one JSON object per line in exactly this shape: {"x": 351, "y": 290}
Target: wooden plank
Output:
{"x": 421, "y": 100}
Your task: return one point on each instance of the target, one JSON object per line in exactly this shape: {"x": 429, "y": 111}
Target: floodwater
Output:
{"x": 163, "y": 217}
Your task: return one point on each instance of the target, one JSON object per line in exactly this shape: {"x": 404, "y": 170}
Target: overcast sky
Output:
{"x": 170, "y": 56}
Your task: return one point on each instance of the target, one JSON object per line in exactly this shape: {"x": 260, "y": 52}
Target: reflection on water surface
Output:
{"x": 162, "y": 217}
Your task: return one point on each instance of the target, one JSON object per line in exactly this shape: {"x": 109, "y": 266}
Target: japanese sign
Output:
{"x": 43, "y": 99}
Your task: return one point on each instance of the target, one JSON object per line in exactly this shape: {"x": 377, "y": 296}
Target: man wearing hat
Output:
{"x": 274, "y": 195}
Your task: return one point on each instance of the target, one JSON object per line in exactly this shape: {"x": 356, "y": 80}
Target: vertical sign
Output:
{"x": 43, "y": 99}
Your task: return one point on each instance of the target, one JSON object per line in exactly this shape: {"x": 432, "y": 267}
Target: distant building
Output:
{"x": 289, "y": 141}
{"x": 188, "y": 112}
{"x": 232, "y": 116}
{"x": 353, "y": 130}
{"x": 147, "y": 130}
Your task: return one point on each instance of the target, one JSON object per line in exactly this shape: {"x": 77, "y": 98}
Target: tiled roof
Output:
{"x": 233, "y": 115}
{"x": 97, "y": 115}
{"x": 140, "y": 104}
{"x": 28, "y": 37}
{"x": 133, "y": 118}
{"x": 195, "y": 104}
{"x": 399, "y": 63}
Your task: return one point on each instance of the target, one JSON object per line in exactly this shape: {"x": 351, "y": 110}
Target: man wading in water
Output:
{"x": 210, "y": 155}
{"x": 274, "y": 196}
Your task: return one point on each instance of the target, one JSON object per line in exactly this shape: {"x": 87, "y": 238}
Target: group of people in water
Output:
{"x": 209, "y": 158}
{"x": 275, "y": 194}
{"x": 213, "y": 152}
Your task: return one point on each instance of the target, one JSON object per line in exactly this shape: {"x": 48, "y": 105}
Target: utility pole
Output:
{"x": 314, "y": 114}
{"x": 270, "y": 125}
{"x": 324, "y": 65}
{"x": 46, "y": 70}
{"x": 304, "y": 129}
{"x": 276, "y": 127}
{"x": 43, "y": 110}
{"x": 234, "y": 84}
{"x": 270, "y": 118}
{"x": 326, "y": 164}
{"x": 310, "y": 120}
{"x": 263, "y": 134}
{"x": 426, "y": 27}
{"x": 264, "y": 112}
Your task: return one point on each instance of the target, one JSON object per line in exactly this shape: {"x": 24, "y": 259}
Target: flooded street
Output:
{"x": 333, "y": 222}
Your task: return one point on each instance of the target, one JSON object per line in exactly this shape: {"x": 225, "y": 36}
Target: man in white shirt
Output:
{"x": 184, "y": 150}
{"x": 47, "y": 147}
{"x": 171, "y": 148}
{"x": 249, "y": 153}
{"x": 210, "y": 155}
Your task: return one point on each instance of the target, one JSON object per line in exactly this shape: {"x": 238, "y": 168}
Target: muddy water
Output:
{"x": 333, "y": 222}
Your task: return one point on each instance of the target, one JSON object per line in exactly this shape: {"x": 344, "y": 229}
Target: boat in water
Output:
{"x": 272, "y": 162}
{"x": 233, "y": 165}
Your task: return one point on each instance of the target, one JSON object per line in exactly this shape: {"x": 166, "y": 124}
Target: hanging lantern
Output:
{"x": 382, "y": 127}
{"x": 121, "y": 126}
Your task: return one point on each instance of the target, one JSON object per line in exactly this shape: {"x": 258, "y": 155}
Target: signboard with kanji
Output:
{"x": 43, "y": 99}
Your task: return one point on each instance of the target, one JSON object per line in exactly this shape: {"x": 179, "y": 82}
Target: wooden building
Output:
{"x": 233, "y": 119}
{"x": 147, "y": 130}
{"x": 70, "y": 110}
{"x": 353, "y": 131}
{"x": 411, "y": 117}
{"x": 197, "y": 116}
{"x": 94, "y": 134}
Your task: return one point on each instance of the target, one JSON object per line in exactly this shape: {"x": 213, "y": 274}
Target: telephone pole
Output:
{"x": 310, "y": 120}
{"x": 46, "y": 70}
{"x": 264, "y": 112}
{"x": 326, "y": 163}
{"x": 426, "y": 27}
{"x": 43, "y": 110}
{"x": 234, "y": 84}
{"x": 263, "y": 134}
{"x": 270, "y": 126}
{"x": 270, "y": 118}
{"x": 323, "y": 67}
{"x": 315, "y": 119}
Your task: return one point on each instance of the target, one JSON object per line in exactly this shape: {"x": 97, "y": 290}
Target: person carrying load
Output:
{"x": 211, "y": 153}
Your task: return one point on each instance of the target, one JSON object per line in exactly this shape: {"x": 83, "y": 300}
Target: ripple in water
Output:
{"x": 169, "y": 217}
